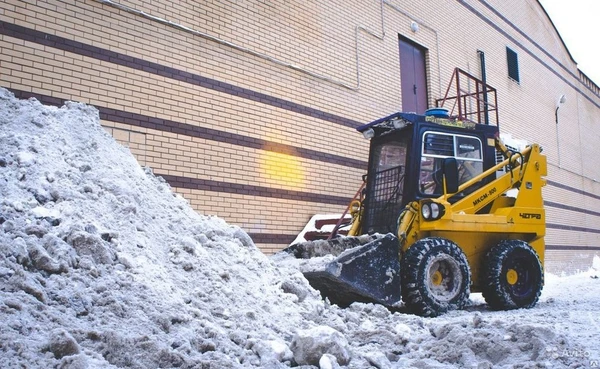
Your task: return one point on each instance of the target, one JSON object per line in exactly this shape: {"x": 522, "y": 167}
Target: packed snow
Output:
{"x": 102, "y": 265}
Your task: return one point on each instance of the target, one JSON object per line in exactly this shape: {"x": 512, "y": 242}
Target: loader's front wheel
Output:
{"x": 435, "y": 277}
{"x": 513, "y": 276}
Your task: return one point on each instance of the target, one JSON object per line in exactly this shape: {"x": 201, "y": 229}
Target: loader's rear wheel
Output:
{"x": 435, "y": 277}
{"x": 513, "y": 276}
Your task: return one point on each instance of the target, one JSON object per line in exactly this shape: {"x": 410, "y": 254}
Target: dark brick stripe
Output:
{"x": 144, "y": 121}
{"x": 209, "y": 185}
{"x": 573, "y": 189}
{"x": 95, "y": 52}
{"x": 525, "y": 49}
{"x": 571, "y": 208}
{"x": 572, "y": 228}
{"x": 44, "y": 99}
{"x": 272, "y": 239}
{"x": 139, "y": 120}
{"x": 572, "y": 248}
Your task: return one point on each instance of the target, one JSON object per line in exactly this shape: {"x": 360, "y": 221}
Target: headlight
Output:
{"x": 426, "y": 211}
{"x": 369, "y": 133}
{"x": 432, "y": 210}
{"x": 435, "y": 210}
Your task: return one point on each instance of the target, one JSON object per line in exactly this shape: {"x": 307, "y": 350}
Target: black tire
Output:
{"x": 513, "y": 276}
{"x": 435, "y": 277}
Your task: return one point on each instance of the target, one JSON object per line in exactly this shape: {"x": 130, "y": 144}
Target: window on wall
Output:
{"x": 512, "y": 59}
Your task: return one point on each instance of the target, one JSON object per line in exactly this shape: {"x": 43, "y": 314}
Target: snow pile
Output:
{"x": 101, "y": 265}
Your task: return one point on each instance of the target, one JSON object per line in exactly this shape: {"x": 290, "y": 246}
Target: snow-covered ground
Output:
{"x": 103, "y": 266}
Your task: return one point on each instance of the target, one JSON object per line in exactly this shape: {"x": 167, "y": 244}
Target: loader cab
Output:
{"x": 406, "y": 162}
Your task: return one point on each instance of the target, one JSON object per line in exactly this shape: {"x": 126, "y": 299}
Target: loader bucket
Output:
{"x": 365, "y": 273}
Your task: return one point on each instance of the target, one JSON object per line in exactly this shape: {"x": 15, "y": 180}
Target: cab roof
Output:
{"x": 399, "y": 120}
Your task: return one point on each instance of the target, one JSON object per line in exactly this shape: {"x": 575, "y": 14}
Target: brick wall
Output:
{"x": 249, "y": 108}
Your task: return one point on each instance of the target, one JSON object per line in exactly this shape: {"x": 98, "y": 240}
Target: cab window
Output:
{"x": 435, "y": 147}
{"x": 390, "y": 155}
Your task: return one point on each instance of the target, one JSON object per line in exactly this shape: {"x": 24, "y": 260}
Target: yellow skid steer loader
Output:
{"x": 447, "y": 209}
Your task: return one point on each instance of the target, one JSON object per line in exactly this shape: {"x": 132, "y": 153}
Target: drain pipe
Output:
{"x": 561, "y": 100}
{"x": 357, "y": 30}
{"x": 486, "y": 113}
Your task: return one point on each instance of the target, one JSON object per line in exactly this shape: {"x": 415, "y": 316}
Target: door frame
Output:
{"x": 425, "y": 52}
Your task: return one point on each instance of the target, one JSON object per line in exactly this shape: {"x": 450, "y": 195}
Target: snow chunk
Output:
{"x": 378, "y": 360}
{"x": 328, "y": 361}
{"x": 272, "y": 352}
{"x": 310, "y": 345}
{"x": 62, "y": 344}
{"x": 42, "y": 212}
{"x": 403, "y": 331}
{"x": 25, "y": 159}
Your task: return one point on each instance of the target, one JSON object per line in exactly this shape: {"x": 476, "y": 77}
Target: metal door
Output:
{"x": 412, "y": 77}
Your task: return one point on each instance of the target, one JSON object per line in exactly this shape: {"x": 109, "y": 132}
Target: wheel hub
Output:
{"x": 512, "y": 277}
{"x": 445, "y": 278}
{"x": 436, "y": 278}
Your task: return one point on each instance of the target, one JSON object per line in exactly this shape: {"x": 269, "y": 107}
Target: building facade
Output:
{"x": 249, "y": 108}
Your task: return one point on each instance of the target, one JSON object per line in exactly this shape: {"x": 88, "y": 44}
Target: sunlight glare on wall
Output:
{"x": 282, "y": 169}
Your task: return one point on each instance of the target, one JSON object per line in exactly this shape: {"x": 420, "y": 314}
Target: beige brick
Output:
{"x": 138, "y": 138}
{"x": 120, "y": 135}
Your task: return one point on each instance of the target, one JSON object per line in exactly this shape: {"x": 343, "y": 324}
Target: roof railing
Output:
{"x": 468, "y": 98}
